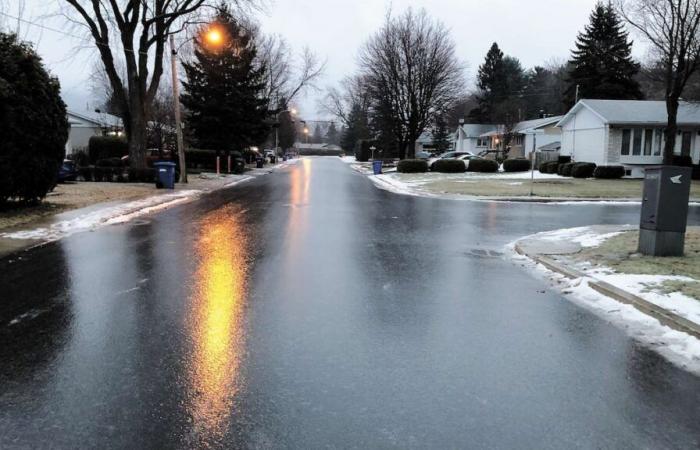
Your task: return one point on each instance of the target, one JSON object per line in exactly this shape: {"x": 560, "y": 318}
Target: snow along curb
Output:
{"x": 664, "y": 316}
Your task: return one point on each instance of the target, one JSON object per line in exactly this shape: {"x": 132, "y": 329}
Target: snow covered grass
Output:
{"x": 680, "y": 348}
{"x": 584, "y": 236}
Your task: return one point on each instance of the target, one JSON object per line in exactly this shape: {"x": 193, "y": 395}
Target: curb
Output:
{"x": 666, "y": 317}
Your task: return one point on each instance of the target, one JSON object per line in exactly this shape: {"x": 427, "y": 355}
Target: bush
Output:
{"x": 565, "y": 169}
{"x": 549, "y": 167}
{"x": 85, "y": 173}
{"x": 412, "y": 166}
{"x": 80, "y": 157}
{"x": 564, "y": 159}
{"x": 102, "y": 147}
{"x": 583, "y": 170}
{"x": 110, "y": 162}
{"x": 362, "y": 150}
{"x": 482, "y": 165}
{"x": 516, "y": 165}
{"x": 141, "y": 175}
{"x": 609, "y": 172}
{"x": 34, "y": 124}
{"x": 682, "y": 160}
{"x": 448, "y": 166}
{"x": 696, "y": 172}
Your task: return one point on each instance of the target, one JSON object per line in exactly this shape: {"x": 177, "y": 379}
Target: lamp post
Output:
{"x": 373, "y": 148}
{"x": 214, "y": 37}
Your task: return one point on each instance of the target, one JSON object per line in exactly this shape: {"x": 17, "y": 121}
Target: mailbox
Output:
{"x": 664, "y": 210}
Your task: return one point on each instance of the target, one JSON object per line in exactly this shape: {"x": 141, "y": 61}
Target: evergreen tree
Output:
{"x": 332, "y": 134}
{"x": 357, "y": 128}
{"x": 441, "y": 135}
{"x": 317, "y": 137}
{"x": 224, "y": 91}
{"x": 500, "y": 79}
{"x": 602, "y": 64}
{"x": 544, "y": 91}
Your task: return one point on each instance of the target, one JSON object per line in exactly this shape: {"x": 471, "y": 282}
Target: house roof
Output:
{"x": 635, "y": 112}
{"x": 475, "y": 129}
{"x": 551, "y": 147}
{"x": 534, "y": 124}
{"x": 99, "y": 119}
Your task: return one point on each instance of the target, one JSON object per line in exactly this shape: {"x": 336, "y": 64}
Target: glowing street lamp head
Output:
{"x": 214, "y": 36}
{"x": 306, "y": 131}
{"x": 293, "y": 110}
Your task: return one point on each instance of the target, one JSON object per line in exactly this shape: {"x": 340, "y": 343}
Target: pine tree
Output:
{"x": 317, "y": 137}
{"x": 500, "y": 79}
{"x": 223, "y": 94}
{"x": 602, "y": 64}
{"x": 441, "y": 135}
{"x": 332, "y": 134}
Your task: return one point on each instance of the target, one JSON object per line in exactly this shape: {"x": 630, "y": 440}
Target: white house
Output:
{"x": 529, "y": 135}
{"x": 627, "y": 132}
{"x": 468, "y": 137}
{"x": 85, "y": 124}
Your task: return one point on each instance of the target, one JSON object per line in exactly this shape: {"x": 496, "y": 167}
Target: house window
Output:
{"x": 637, "y": 143}
{"x": 658, "y": 142}
{"x": 648, "y": 141}
{"x": 626, "y": 138}
{"x": 482, "y": 142}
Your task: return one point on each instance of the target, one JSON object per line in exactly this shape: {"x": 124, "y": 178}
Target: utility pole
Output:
{"x": 176, "y": 105}
{"x": 577, "y": 89}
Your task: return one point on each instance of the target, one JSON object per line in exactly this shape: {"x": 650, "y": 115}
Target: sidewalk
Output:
{"x": 136, "y": 201}
{"x": 593, "y": 269}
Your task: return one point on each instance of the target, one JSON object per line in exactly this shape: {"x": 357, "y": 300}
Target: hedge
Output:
{"x": 564, "y": 159}
{"x": 516, "y": 165}
{"x": 549, "y": 167}
{"x": 565, "y": 169}
{"x": 362, "y": 150}
{"x": 482, "y": 165}
{"x": 448, "y": 166}
{"x": 412, "y": 166}
{"x": 583, "y": 170}
{"x": 609, "y": 172}
{"x": 102, "y": 147}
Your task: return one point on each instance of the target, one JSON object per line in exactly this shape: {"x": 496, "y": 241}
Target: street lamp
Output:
{"x": 373, "y": 148}
{"x": 214, "y": 37}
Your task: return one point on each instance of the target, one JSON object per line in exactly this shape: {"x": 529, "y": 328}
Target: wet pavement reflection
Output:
{"x": 308, "y": 309}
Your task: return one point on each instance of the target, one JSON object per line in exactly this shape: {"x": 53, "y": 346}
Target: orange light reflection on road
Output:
{"x": 216, "y": 328}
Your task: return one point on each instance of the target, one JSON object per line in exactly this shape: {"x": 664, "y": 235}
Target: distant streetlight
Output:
{"x": 214, "y": 37}
{"x": 373, "y": 148}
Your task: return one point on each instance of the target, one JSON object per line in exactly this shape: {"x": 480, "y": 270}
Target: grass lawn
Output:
{"x": 72, "y": 196}
{"x": 469, "y": 184}
{"x": 620, "y": 254}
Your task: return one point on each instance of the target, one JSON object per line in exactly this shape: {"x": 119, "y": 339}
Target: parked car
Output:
{"x": 468, "y": 157}
{"x": 68, "y": 171}
{"x": 449, "y": 155}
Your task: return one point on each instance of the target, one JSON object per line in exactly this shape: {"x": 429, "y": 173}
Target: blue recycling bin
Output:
{"x": 377, "y": 167}
{"x": 165, "y": 174}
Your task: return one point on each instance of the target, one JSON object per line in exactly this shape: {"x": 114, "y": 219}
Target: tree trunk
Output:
{"x": 136, "y": 134}
{"x": 671, "y": 128}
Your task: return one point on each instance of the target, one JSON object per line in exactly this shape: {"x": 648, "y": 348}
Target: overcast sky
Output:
{"x": 535, "y": 32}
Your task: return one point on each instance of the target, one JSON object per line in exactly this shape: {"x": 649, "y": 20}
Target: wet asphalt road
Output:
{"x": 308, "y": 309}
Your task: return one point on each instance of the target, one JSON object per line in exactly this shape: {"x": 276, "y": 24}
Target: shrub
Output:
{"x": 80, "y": 157}
{"x": 696, "y": 172}
{"x": 98, "y": 174}
{"x": 583, "y": 170}
{"x": 609, "y": 172}
{"x": 565, "y": 169}
{"x": 682, "y": 160}
{"x": 34, "y": 124}
{"x": 482, "y": 165}
{"x": 110, "y": 162}
{"x": 516, "y": 165}
{"x": 362, "y": 150}
{"x": 549, "y": 167}
{"x": 449, "y": 166}
{"x": 102, "y": 147}
{"x": 412, "y": 166}
{"x": 564, "y": 159}
{"x": 85, "y": 173}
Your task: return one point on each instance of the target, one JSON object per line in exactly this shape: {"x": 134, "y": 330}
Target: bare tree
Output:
{"x": 353, "y": 97}
{"x": 140, "y": 28}
{"x": 672, "y": 27}
{"x": 413, "y": 73}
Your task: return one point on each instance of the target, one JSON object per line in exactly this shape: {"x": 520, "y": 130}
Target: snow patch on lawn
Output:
{"x": 584, "y": 236}
{"x": 106, "y": 216}
{"x": 348, "y": 159}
